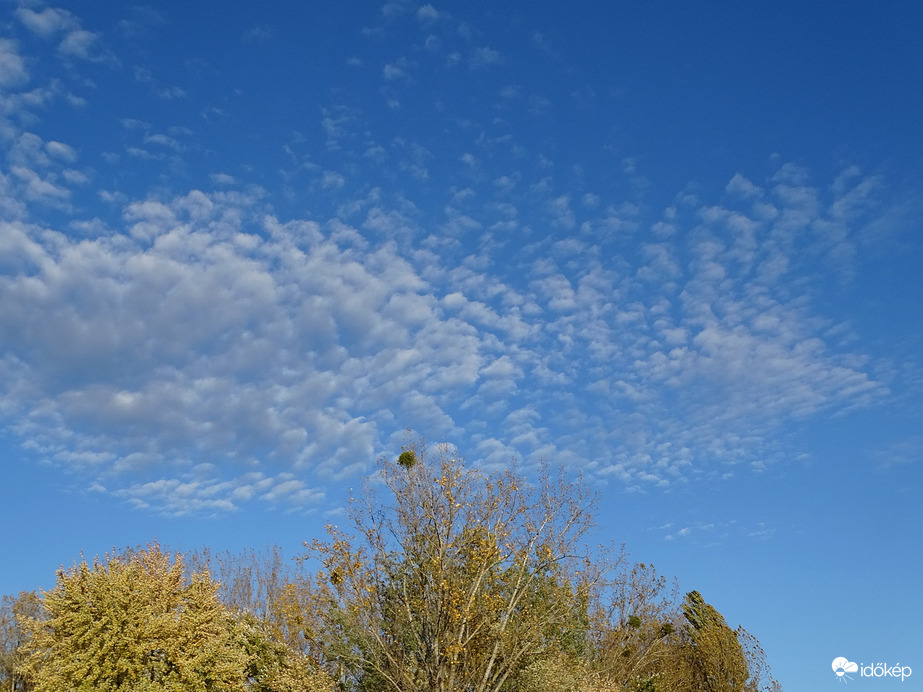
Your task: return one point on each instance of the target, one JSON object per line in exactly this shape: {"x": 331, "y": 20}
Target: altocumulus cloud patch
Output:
{"x": 190, "y": 348}
{"x": 205, "y": 328}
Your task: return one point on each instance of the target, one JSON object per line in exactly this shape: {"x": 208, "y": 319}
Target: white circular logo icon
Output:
{"x": 841, "y": 666}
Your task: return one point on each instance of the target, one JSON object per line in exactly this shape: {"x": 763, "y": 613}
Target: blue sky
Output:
{"x": 676, "y": 249}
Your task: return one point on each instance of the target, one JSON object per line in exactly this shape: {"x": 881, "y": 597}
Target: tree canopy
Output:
{"x": 446, "y": 578}
{"x": 132, "y": 621}
{"x": 460, "y": 581}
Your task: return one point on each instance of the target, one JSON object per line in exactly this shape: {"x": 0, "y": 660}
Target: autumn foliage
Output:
{"x": 460, "y": 583}
{"x": 445, "y": 578}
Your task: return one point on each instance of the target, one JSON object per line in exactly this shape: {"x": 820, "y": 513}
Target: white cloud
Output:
{"x": 40, "y": 189}
{"x": 61, "y": 151}
{"x": 427, "y": 13}
{"x": 48, "y": 22}
{"x": 484, "y": 57}
{"x": 223, "y": 179}
{"x": 742, "y": 187}
{"x": 195, "y": 495}
{"x": 338, "y": 124}
{"x": 177, "y": 327}
{"x": 163, "y": 140}
{"x": 78, "y": 43}
{"x": 193, "y": 352}
{"x": 562, "y": 216}
{"x": 170, "y": 93}
{"x": 393, "y": 72}
{"x": 258, "y": 34}
{"x": 13, "y": 70}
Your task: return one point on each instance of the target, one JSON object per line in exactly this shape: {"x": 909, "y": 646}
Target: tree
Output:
{"x": 635, "y": 628}
{"x": 462, "y": 582}
{"x": 275, "y": 611}
{"x": 14, "y": 611}
{"x": 716, "y": 658}
{"x": 451, "y": 579}
{"x": 133, "y": 622}
{"x": 760, "y": 674}
{"x": 263, "y": 586}
{"x": 273, "y": 666}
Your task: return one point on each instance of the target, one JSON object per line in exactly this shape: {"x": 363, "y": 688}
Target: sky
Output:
{"x": 673, "y": 247}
